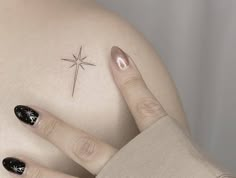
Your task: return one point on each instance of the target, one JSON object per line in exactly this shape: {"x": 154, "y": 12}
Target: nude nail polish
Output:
{"x": 14, "y": 165}
{"x": 119, "y": 58}
{"x": 26, "y": 114}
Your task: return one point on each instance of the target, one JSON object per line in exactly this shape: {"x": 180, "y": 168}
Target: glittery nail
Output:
{"x": 14, "y": 165}
{"x": 26, "y": 114}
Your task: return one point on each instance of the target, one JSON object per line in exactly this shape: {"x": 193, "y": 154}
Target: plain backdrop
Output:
{"x": 196, "y": 39}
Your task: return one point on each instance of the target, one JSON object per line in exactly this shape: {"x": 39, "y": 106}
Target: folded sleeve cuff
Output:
{"x": 164, "y": 150}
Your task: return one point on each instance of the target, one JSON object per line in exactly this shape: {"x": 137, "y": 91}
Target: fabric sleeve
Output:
{"x": 164, "y": 150}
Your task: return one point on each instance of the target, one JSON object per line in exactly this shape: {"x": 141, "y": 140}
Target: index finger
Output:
{"x": 143, "y": 105}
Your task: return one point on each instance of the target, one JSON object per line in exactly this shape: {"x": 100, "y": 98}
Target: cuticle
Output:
{"x": 37, "y": 122}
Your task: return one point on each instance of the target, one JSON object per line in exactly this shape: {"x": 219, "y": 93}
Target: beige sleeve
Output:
{"x": 164, "y": 150}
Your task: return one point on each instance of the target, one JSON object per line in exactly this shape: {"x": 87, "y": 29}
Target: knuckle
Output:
{"x": 131, "y": 82}
{"x": 84, "y": 148}
{"x": 49, "y": 127}
{"x": 150, "y": 108}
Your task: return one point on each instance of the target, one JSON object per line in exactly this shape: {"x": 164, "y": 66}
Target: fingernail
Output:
{"x": 119, "y": 58}
{"x": 26, "y": 114}
{"x": 14, "y": 165}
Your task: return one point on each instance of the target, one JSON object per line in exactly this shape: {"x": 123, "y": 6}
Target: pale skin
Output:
{"x": 84, "y": 148}
{"x": 35, "y": 36}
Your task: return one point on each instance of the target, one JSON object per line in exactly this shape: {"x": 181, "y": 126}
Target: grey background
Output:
{"x": 197, "y": 41}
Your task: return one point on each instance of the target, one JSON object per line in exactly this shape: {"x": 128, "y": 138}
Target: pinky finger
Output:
{"x": 29, "y": 169}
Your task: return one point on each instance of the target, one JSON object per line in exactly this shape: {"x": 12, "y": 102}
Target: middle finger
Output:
{"x": 83, "y": 148}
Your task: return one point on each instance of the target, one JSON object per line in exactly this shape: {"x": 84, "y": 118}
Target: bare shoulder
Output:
{"x": 40, "y": 42}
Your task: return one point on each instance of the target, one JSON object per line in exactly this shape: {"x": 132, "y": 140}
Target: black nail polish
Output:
{"x": 14, "y": 165}
{"x": 26, "y": 114}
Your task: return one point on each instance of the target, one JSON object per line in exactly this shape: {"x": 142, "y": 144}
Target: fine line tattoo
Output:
{"x": 78, "y": 61}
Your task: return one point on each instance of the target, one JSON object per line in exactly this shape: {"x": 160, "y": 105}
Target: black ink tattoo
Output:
{"x": 78, "y": 61}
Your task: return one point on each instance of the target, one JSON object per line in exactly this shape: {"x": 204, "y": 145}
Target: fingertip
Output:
{"x": 14, "y": 165}
{"x": 119, "y": 59}
{"x": 26, "y": 114}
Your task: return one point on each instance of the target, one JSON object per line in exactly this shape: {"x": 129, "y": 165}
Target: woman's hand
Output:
{"x": 83, "y": 148}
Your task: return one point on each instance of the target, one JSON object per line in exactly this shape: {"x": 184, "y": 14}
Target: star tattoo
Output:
{"x": 78, "y": 61}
